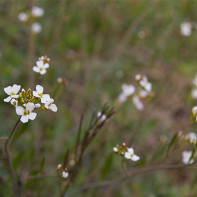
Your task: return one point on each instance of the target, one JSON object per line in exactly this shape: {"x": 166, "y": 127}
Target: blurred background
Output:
{"x": 95, "y": 46}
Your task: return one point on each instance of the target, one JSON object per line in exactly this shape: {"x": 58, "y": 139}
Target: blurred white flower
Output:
{"x": 130, "y": 155}
{"x": 101, "y": 117}
{"x": 127, "y": 90}
{"x": 23, "y": 17}
{"x": 36, "y": 28}
{"x": 186, "y": 155}
{"x": 115, "y": 149}
{"x": 50, "y": 105}
{"x": 64, "y": 174}
{"x": 12, "y": 91}
{"x": 138, "y": 103}
{"x": 192, "y": 138}
{"x": 41, "y": 67}
{"x": 26, "y": 113}
{"x": 37, "y": 11}
{"x": 186, "y": 28}
{"x": 145, "y": 84}
{"x": 194, "y": 112}
{"x": 14, "y": 102}
{"x": 194, "y": 93}
{"x": 59, "y": 80}
{"x": 39, "y": 93}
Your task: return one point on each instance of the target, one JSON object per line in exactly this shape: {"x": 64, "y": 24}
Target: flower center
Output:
{"x": 26, "y": 112}
{"x": 41, "y": 69}
{"x": 132, "y": 155}
{"x": 40, "y": 95}
{"x": 12, "y": 93}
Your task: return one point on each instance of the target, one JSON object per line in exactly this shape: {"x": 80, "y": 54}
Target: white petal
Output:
{"x": 135, "y": 158}
{"x": 8, "y": 90}
{"x": 46, "y": 98}
{"x": 7, "y": 99}
{"x": 32, "y": 116}
{"x": 127, "y": 155}
{"x": 130, "y": 150}
{"x": 16, "y": 88}
{"x": 24, "y": 119}
{"x": 30, "y": 107}
{"x": 46, "y": 106}
{"x": 36, "y": 69}
{"x": 39, "y": 89}
{"x": 20, "y": 110}
{"x": 53, "y": 107}
{"x": 14, "y": 96}
{"x": 46, "y": 65}
{"x": 37, "y": 105}
{"x": 42, "y": 72}
{"x": 35, "y": 94}
{"x": 39, "y": 63}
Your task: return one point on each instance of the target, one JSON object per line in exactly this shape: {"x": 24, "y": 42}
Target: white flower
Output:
{"x": 37, "y": 11}
{"x": 186, "y": 155}
{"x": 36, "y": 28}
{"x": 59, "y": 166}
{"x": 64, "y": 174}
{"x": 186, "y": 28}
{"x": 14, "y": 102}
{"x": 26, "y": 113}
{"x": 39, "y": 94}
{"x": 49, "y": 104}
{"x": 192, "y": 138}
{"x": 115, "y": 149}
{"x": 59, "y": 80}
{"x": 128, "y": 90}
{"x": 143, "y": 93}
{"x": 23, "y": 17}
{"x": 145, "y": 84}
{"x": 122, "y": 98}
{"x": 194, "y": 93}
{"x": 101, "y": 117}
{"x": 194, "y": 111}
{"x": 138, "y": 103}
{"x": 130, "y": 155}
{"x": 12, "y": 91}
{"x": 41, "y": 67}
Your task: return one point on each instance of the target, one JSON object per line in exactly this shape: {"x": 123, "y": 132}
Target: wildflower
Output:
{"x": 41, "y": 67}
{"x": 64, "y": 174}
{"x": 102, "y": 117}
{"x": 115, "y": 149}
{"x": 36, "y": 28}
{"x": 194, "y": 93}
{"x": 145, "y": 84}
{"x": 194, "y": 112}
{"x": 26, "y": 113}
{"x": 37, "y": 11}
{"x": 39, "y": 93}
{"x": 130, "y": 155}
{"x": 192, "y": 137}
{"x": 12, "y": 91}
{"x": 186, "y": 28}
{"x": 14, "y": 102}
{"x": 59, "y": 80}
{"x": 127, "y": 90}
{"x": 50, "y": 105}
{"x": 186, "y": 155}
{"x": 138, "y": 103}
{"x": 23, "y": 17}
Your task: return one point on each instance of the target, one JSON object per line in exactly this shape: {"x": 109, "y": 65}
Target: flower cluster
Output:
{"x": 186, "y": 28}
{"x": 139, "y": 93}
{"x": 26, "y": 101}
{"x": 63, "y": 172}
{"x": 41, "y": 65}
{"x": 127, "y": 153}
{"x": 31, "y": 18}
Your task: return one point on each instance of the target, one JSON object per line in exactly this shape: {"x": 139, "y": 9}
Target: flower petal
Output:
{"x": 7, "y": 99}
{"x": 127, "y": 155}
{"x": 36, "y": 69}
{"x": 35, "y": 94}
{"x": 24, "y": 119}
{"x": 45, "y": 98}
{"x": 20, "y": 110}
{"x": 135, "y": 158}
{"x": 39, "y": 89}
{"x": 39, "y": 64}
{"x": 8, "y": 90}
{"x": 16, "y": 88}
{"x": 53, "y": 107}
{"x": 130, "y": 150}
{"x": 30, "y": 107}
{"x": 43, "y": 72}
{"x": 46, "y": 65}
{"x": 32, "y": 116}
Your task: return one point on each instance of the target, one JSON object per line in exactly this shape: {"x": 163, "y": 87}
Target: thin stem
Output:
{"x": 10, "y": 160}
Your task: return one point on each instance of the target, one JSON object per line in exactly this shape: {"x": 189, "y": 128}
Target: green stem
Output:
{"x": 7, "y": 152}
